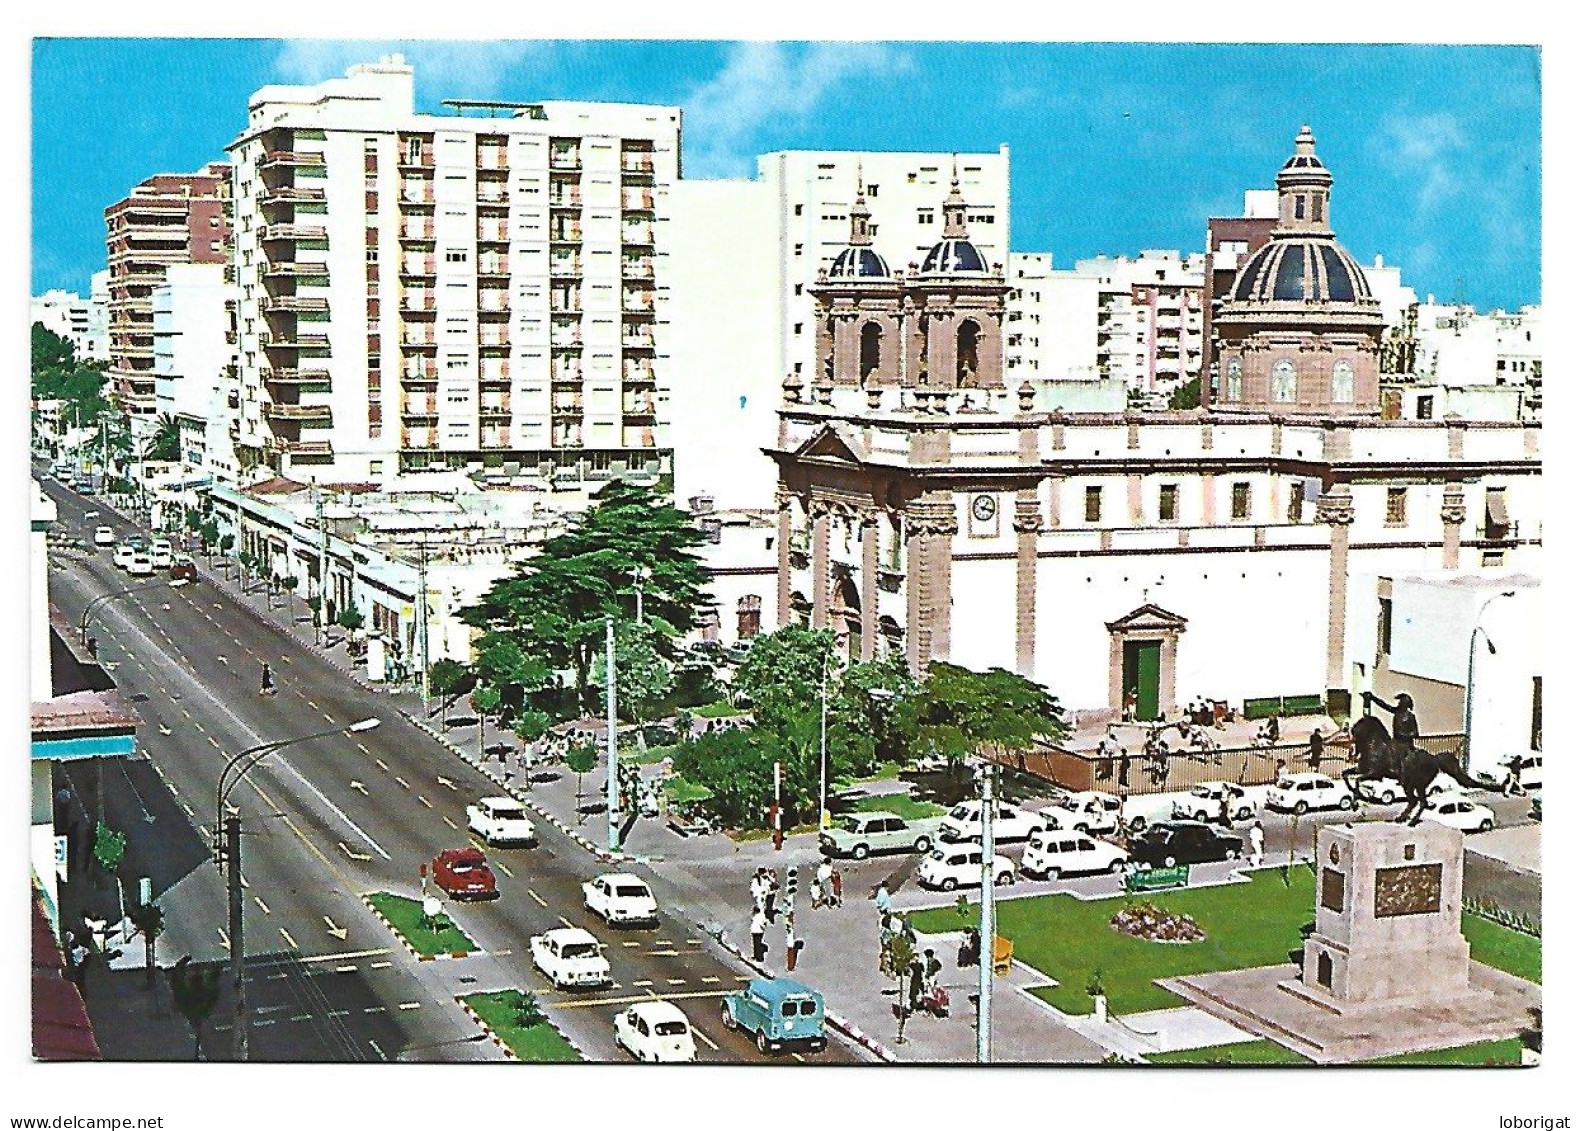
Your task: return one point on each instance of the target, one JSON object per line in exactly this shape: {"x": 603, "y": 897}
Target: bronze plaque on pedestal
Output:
{"x": 1413, "y": 890}
{"x": 1332, "y": 889}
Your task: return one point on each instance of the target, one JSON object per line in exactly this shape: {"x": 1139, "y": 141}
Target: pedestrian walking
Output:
{"x": 759, "y": 935}
{"x": 266, "y": 684}
{"x": 760, "y": 891}
{"x": 771, "y": 894}
{"x": 1124, "y": 768}
{"x": 883, "y": 900}
{"x": 1256, "y": 837}
{"x": 836, "y": 888}
{"x": 1107, "y": 750}
{"x": 823, "y": 884}
{"x": 1511, "y": 780}
{"x": 916, "y": 972}
{"x": 1315, "y": 755}
{"x": 1224, "y": 814}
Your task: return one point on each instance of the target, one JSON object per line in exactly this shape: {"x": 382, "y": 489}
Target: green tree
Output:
{"x": 554, "y": 605}
{"x": 485, "y": 701}
{"x": 737, "y": 765}
{"x": 581, "y": 760}
{"x": 165, "y": 443}
{"x": 350, "y": 618}
{"x": 149, "y": 919}
{"x": 529, "y": 726}
{"x": 870, "y": 702}
{"x": 449, "y": 680}
{"x": 195, "y": 990}
{"x": 783, "y": 668}
{"x": 209, "y": 533}
{"x": 898, "y": 952}
{"x": 642, "y": 676}
{"x": 521, "y": 679}
{"x": 1187, "y": 395}
{"x": 958, "y": 711}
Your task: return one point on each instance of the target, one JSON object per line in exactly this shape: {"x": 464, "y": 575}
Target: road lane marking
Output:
{"x": 346, "y": 954}
{"x": 710, "y": 980}
{"x": 707, "y": 1040}
{"x": 500, "y": 865}
{"x": 309, "y": 1017}
{"x": 258, "y": 899}
{"x": 314, "y": 706}
{"x": 360, "y": 788}
{"x": 643, "y": 982}
{"x": 567, "y": 922}
{"x": 212, "y": 742}
{"x": 289, "y": 941}
{"x": 188, "y": 808}
{"x": 675, "y": 981}
{"x": 799, "y": 1057}
{"x": 402, "y": 782}
{"x": 538, "y": 899}
{"x": 596, "y": 1003}
{"x": 628, "y": 942}
{"x": 380, "y": 965}
{"x": 425, "y": 801}
{"x": 386, "y": 769}
{"x": 338, "y": 932}
{"x": 452, "y": 824}
{"x": 353, "y": 855}
{"x": 223, "y": 937}
{"x": 351, "y": 969}
{"x": 375, "y": 1009}
{"x": 448, "y": 784}
{"x": 365, "y": 750}
{"x": 411, "y": 1005}
{"x": 329, "y": 718}
{"x": 663, "y": 954}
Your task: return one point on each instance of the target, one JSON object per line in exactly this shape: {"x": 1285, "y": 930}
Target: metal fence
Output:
{"x": 1179, "y": 770}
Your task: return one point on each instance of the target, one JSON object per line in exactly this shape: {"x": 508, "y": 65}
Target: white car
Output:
{"x": 1052, "y": 853}
{"x": 1530, "y": 771}
{"x": 124, "y": 555}
{"x": 1299, "y": 793}
{"x": 655, "y": 1032}
{"x": 964, "y": 822}
{"x": 104, "y": 536}
{"x": 1205, "y": 802}
{"x": 617, "y": 898}
{"x": 951, "y": 866}
{"x": 500, "y": 820}
{"x": 140, "y": 565}
{"x": 163, "y": 554}
{"x": 1385, "y": 791}
{"x": 1458, "y": 812}
{"x": 1090, "y": 811}
{"x": 569, "y": 956}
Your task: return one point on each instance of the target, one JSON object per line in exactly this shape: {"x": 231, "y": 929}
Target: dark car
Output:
{"x": 1183, "y": 842}
{"x": 463, "y": 873}
{"x": 183, "y": 568}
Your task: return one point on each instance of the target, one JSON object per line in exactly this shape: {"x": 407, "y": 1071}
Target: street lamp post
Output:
{"x": 88, "y": 610}
{"x": 987, "y": 926}
{"x": 229, "y": 857}
{"x": 612, "y": 790}
{"x": 1470, "y": 672}
{"x": 822, "y": 749}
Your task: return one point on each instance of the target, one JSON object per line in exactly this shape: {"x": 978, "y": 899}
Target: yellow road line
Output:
{"x": 536, "y": 898}
{"x": 587, "y": 1003}
{"x": 286, "y": 935}
{"x": 346, "y": 954}
{"x": 258, "y": 899}
{"x": 504, "y": 869}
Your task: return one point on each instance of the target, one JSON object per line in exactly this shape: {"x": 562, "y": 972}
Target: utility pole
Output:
{"x": 986, "y": 926}
{"x": 822, "y": 750}
{"x": 238, "y": 956}
{"x": 613, "y": 790}
{"x": 422, "y": 617}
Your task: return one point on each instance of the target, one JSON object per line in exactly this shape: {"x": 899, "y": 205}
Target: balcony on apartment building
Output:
{"x": 636, "y": 341}
{"x": 419, "y": 374}
{"x": 565, "y": 233}
{"x": 640, "y": 404}
{"x": 493, "y": 267}
{"x": 565, "y": 337}
{"x": 494, "y": 412}
{"x": 636, "y": 269}
{"x": 566, "y": 406}
{"x": 293, "y": 340}
{"x": 416, "y": 192}
{"x": 499, "y": 375}
{"x": 418, "y": 336}
{"x": 310, "y": 414}
{"x": 416, "y": 231}
{"x": 565, "y": 196}
{"x": 568, "y": 305}
{"x": 493, "y": 303}
{"x": 491, "y": 159}
{"x": 420, "y": 157}
{"x": 636, "y": 164}
{"x": 291, "y": 158}
{"x": 152, "y": 255}
{"x": 497, "y": 339}
{"x": 415, "y": 301}
{"x": 639, "y": 375}
{"x": 637, "y": 235}
{"x": 295, "y": 377}
{"x": 418, "y": 408}
{"x": 419, "y": 267}
{"x": 305, "y": 447}
{"x": 143, "y": 234}
{"x": 636, "y": 199}
{"x": 304, "y": 232}
{"x": 637, "y": 304}
{"x": 640, "y": 437}
{"x": 566, "y": 157}
{"x": 294, "y": 304}
{"x": 565, "y": 266}
{"x": 290, "y": 194}
{"x": 565, "y": 375}
{"x": 295, "y": 269}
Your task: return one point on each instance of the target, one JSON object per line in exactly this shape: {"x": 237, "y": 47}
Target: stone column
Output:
{"x": 1027, "y": 524}
{"x": 932, "y": 524}
{"x": 869, "y": 584}
{"x": 820, "y": 522}
{"x": 783, "y": 500}
{"x": 1453, "y": 519}
{"x": 1337, "y": 509}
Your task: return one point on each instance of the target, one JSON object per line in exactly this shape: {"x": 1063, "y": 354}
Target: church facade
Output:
{"x": 927, "y": 509}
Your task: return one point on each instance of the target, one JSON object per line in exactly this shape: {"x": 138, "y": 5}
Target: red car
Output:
{"x": 462, "y": 873}
{"x": 183, "y": 568}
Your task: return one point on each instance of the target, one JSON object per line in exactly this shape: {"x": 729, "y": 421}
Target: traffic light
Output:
{"x": 790, "y": 883}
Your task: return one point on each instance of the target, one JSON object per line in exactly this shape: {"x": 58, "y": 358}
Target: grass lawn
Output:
{"x": 886, "y": 771}
{"x": 406, "y": 917}
{"x": 653, "y": 754}
{"x": 900, "y": 804}
{"x": 1267, "y": 1052}
{"x": 683, "y": 792}
{"x": 1251, "y": 924}
{"x": 747, "y": 835}
{"x": 542, "y": 1042}
{"x": 722, "y": 709}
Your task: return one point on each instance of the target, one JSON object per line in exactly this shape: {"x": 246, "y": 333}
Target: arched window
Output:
{"x": 966, "y": 354}
{"x": 1343, "y": 382}
{"x": 1284, "y": 381}
{"x": 1236, "y": 381}
{"x": 871, "y": 349}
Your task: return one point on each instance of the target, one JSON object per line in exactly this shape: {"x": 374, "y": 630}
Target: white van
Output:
{"x": 951, "y": 866}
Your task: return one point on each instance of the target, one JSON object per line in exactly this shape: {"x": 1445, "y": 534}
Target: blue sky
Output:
{"x": 1113, "y": 147}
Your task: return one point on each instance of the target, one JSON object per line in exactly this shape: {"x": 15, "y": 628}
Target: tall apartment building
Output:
{"x": 96, "y": 345}
{"x": 64, "y": 313}
{"x": 1149, "y": 317}
{"x": 1050, "y": 330}
{"x": 169, "y": 218}
{"x": 194, "y": 311}
{"x": 475, "y": 289}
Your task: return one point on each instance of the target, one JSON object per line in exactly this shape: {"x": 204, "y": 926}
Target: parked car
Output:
{"x": 104, "y": 536}
{"x": 569, "y": 956}
{"x": 950, "y": 866}
{"x": 655, "y": 1032}
{"x": 859, "y": 834}
{"x": 1052, "y": 853}
{"x": 1458, "y": 812}
{"x": 617, "y": 898}
{"x": 777, "y": 1012}
{"x": 137, "y": 542}
{"x": 964, "y": 822}
{"x": 1089, "y": 811}
{"x": 85, "y": 486}
{"x": 463, "y": 873}
{"x": 1385, "y": 791}
{"x": 183, "y": 568}
{"x": 162, "y": 553}
{"x": 140, "y": 565}
{"x": 1143, "y": 809}
{"x": 1205, "y": 802}
{"x": 1298, "y": 793}
{"x": 123, "y": 555}
{"x": 500, "y": 820}
{"x": 1183, "y": 842}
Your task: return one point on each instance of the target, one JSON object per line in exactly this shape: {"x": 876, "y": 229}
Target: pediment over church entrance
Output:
{"x": 833, "y": 442}
{"x": 1148, "y": 618}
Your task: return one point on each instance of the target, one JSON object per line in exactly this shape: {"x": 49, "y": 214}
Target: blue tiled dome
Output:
{"x": 858, "y": 263}
{"x": 954, "y": 257}
{"x": 1301, "y": 270}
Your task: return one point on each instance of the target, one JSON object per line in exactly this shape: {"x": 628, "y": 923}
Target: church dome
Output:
{"x": 954, "y": 257}
{"x": 858, "y": 263}
{"x": 1308, "y": 269}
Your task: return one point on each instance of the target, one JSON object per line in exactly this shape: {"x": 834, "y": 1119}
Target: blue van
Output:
{"x": 778, "y": 1013}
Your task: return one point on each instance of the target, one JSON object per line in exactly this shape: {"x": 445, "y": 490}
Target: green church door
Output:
{"x": 1142, "y": 662}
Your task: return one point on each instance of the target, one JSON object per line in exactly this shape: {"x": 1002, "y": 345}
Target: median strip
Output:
{"x": 440, "y": 938}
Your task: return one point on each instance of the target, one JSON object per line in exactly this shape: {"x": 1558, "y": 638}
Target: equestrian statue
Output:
{"x": 1381, "y": 755}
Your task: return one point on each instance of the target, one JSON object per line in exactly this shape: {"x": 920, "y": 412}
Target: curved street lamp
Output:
{"x": 228, "y": 856}
{"x": 82, "y": 628}
{"x": 1470, "y": 672}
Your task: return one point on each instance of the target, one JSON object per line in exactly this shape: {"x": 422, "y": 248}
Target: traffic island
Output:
{"x": 427, "y": 939}
{"x": 515, "y": 1022}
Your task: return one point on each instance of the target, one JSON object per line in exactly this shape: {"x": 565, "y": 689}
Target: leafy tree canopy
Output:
{"x": 959, "y": 710}
{"x": 1187, "y": 395}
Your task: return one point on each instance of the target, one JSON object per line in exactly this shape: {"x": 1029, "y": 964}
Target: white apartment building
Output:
{"x": 192, "y": 356}
{"x": 63, "y": 313}
{"x": 1387, "y": 287}
{"x": 1051, "y": 322}
{"x": 478, "y": 289}
{"x": 1149, "y": 323}
{"x": 96, "y": 345}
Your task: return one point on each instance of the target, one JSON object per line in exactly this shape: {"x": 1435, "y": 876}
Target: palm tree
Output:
{"x": 196, "y": 993}
{"x": 149, "y": 919}
{"x": 165, "y": 443}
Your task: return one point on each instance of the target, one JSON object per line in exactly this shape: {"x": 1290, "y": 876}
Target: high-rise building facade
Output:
{"x": 96, "y": 343}
{"x": 1051, "y": 327}
{"x": 194, "y": 311}
{"x": 477, "y": 289}
{"x": 1149, "y": 319}
{"x": 64, "y": 313}
{"x": 169, "y": 218}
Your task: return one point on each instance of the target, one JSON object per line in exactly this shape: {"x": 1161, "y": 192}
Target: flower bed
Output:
{"x": 1148, "y": 921}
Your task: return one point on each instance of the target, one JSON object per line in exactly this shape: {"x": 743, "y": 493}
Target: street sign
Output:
{"x": 61, "y": 856}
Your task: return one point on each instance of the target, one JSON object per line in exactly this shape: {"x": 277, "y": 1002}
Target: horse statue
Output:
{"x": 1378, "y": 756}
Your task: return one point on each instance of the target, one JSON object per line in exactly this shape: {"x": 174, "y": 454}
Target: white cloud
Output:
{"x": 1431, "y": 151}
{"x": 764, "y": 86}
{"x": 451, "y": 68}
